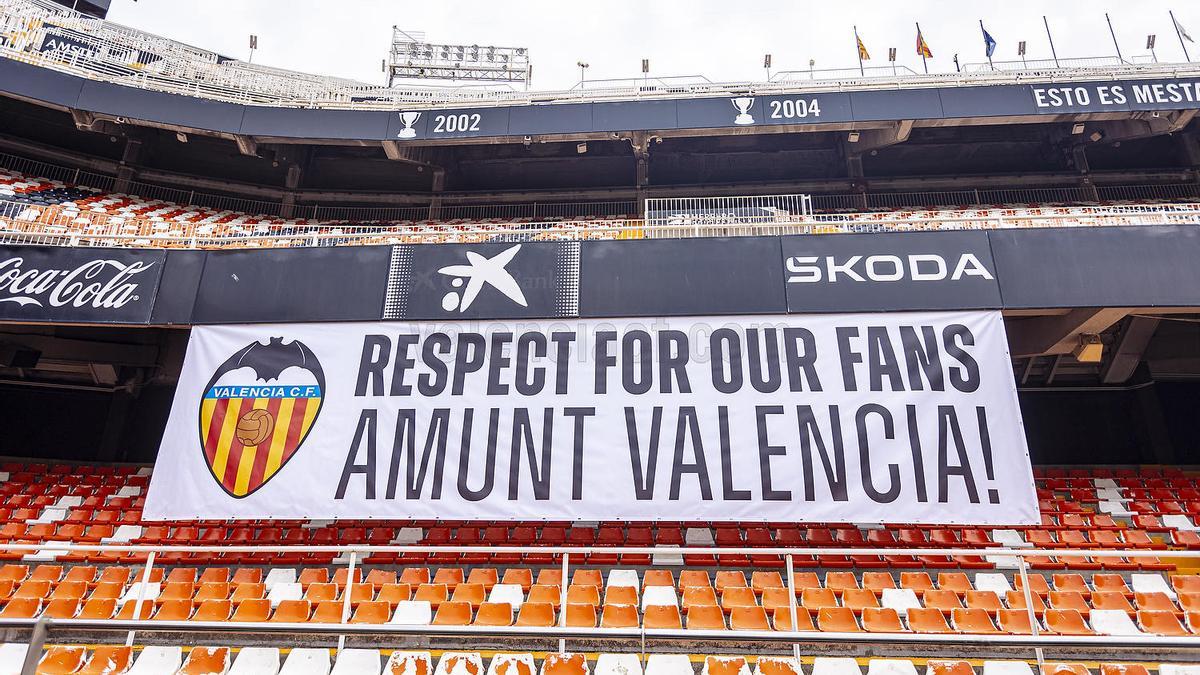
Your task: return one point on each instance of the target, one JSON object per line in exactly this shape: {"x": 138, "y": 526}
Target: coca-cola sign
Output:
{"x": 78, "y": 284}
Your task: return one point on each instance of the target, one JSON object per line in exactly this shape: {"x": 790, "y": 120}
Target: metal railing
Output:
{"x": 354, "y": 554}
{"x": 749, "y": 210}
{"x": 24, "y": 224}
{"x": 130, "y": 57}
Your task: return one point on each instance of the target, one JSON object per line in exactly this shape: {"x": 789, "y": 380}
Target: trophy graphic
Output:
{"x": 408, "y": 119}
{"x": 743, "y": 105}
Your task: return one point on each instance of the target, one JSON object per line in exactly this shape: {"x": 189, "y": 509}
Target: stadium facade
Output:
{"x": 998, "y": 267}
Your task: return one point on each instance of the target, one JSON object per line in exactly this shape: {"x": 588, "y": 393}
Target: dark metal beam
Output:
{"x": 1127, "y": 353}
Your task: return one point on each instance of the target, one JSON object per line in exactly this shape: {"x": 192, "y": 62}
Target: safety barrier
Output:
{"x": 24, "y": 224}
{"x": 353, "y": 555}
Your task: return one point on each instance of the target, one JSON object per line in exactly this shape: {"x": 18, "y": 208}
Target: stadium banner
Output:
{"x": 903, "y": 417}
{"x": 64, "y": 284}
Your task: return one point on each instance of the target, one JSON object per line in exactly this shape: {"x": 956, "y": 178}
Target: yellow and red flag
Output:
{"x": 923, "y": 49}
{"x": 863, "y": 54}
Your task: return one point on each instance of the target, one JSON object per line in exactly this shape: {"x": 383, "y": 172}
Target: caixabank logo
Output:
{"x": 257, "y": 410}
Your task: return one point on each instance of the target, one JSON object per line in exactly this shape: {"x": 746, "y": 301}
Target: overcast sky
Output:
{"x": 721, "y": 39}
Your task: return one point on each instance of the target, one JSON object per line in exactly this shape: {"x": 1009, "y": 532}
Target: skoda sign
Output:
{"x": 879, "y": 272}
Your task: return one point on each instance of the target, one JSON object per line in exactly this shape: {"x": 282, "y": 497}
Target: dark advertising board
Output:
{"x": 679, "y": 277}
{"x": 488, "y": 280}
{"x": 890, "y": 271}
{"x": 78, "y": 285}
{"x": 301, "y": 284}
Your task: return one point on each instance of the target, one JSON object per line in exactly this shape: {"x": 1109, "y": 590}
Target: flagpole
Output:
{"x": 986, "y": 51}
{"x": 858, "y": 48}
{"x": 1053, "y": 51}
{"x": 921, "y": 41}
{"x": 1114, "y": 37}
{"x": 1179, "y": 34}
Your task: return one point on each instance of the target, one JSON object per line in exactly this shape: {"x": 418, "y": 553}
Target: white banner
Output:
{"x": 869, "y": 418}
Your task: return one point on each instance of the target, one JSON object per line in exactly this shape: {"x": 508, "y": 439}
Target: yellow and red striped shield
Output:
{"x": 256, "y": 411}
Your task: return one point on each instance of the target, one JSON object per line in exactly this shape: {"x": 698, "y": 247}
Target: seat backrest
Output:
{"x": 256, "y": 661}
{"x": 452, "y": 662}
{"x": 157, "y": 660}
{"x": 206, "y": 661}
{"x": 256, "y": 610}
{"x": 292, "y": 611}
{"x": 536, "y": 614}
{"x": 748, "y": 618}
{"x": 413, "y": 613}
{"x": 511, "y": 664}
{"x": 564, "y": 664}
{"x": 725, "y": 665}
{"x": 619, "y": 664}
{"x": 494, "y": 614}
{"x": 306, "y": 661}
{"x": 837, "y": 620}
{"x": 619, "y": 616}
{"x": 882, "y": 620}
{"x": 365, "y": 662}
{"x": 107, "y": 660}
{"x": 62, "y": 660}
{"x": 454, "y": 613}
{"x": 581, "y": 615}
{"x": 835, "y": 665}
{"x": 400, "y": 663}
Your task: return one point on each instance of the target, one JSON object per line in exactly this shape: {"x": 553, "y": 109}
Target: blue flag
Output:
{"x": 989, "y": 44}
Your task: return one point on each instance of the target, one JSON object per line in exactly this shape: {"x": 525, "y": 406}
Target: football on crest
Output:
{"x": 255, "y": 427}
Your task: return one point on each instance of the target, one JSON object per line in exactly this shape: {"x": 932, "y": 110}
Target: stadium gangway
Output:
{"x": 41, "y": 627}
{"x": 43, "y": 225}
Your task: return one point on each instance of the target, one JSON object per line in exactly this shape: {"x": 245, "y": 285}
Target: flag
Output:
{"x": 863, "y": 54}
{"x": 989, "y": 44}
{"x": 1182, "y": 31}
{"x": 923, "y": 49}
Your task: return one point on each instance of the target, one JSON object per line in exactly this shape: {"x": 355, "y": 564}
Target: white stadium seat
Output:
{"x": 413, "y": 613}
{"x": 668, "y": 664}
{"x": 891, "y": 667}
{"x": 1151, "y": 583}
{"x": 618, "y": 664}
{"x": 12, "y": 657}
{"x": 835, "y": 665}
{"x": 306, "y": 661}
{"x": 280, "y": 592}
{"x": 256, "y": 661}
{"x": 358, "y": 662}
{"x": 1113, "y": 622}
{"x": 157, "y": 661}
{"x": 513, "y": 594}
{"x": 1006, "y": 668}
{"x": 655, "y": 596}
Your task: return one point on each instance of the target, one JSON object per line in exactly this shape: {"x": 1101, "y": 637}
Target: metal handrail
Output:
{"x": 36, "y": 231}
{"x": 1037, "y": 640}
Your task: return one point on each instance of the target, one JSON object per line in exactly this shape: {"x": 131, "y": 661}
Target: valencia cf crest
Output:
{"x": 257, "y": 410}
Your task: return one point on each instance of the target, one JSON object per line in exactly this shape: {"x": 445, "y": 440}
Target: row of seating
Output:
{"x": 168, "y": 660}
{"x": 876, "y": 584}
{"x": 57, "y": 208}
